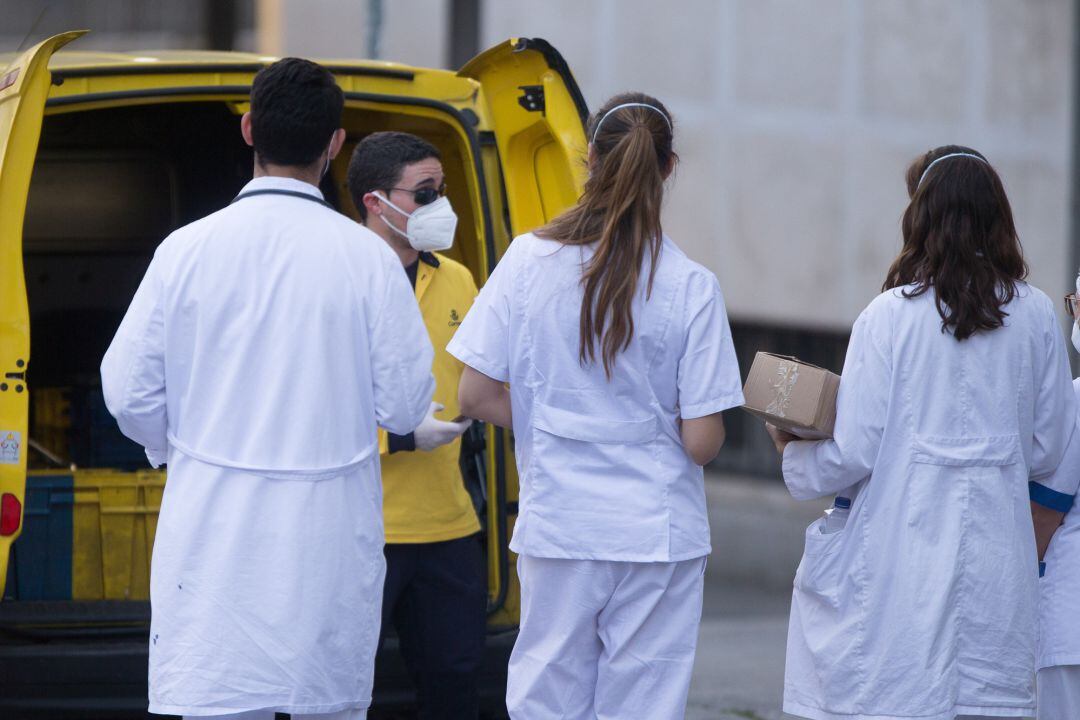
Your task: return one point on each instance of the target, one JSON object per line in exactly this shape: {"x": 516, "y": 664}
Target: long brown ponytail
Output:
{"x": 630, "y": 155}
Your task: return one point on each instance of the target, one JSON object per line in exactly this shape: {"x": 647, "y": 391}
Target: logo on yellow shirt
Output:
{"x": 455, "y": 320}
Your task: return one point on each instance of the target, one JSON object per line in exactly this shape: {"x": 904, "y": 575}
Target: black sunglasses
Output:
{"x": 424, "y": 195}
{"x": 1070, "y": 304}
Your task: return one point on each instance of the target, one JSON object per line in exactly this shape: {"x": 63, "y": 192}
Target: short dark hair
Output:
{"x": 295, "y": 109}
{"x": 380, "y": 158}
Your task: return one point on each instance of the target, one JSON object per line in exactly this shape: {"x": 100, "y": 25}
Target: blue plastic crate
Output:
{"x": 40, "y": 563}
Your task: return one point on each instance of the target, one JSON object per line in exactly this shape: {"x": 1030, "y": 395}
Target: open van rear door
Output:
{"x": 24, "y": 87}
{"x": 538, "y": 116}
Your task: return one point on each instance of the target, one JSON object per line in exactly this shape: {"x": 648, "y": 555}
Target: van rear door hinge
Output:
{"x": 532, "y": 98}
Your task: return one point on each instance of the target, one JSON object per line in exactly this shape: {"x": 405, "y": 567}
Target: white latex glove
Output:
{"x": 433, "y": 433}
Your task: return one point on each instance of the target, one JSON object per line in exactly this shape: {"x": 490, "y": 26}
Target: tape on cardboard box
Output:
{"x": 793, "y": 395}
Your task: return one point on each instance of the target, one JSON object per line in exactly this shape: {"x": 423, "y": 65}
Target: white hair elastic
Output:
{"x": 946, "y": 157}
{"x": 626, "y": 105}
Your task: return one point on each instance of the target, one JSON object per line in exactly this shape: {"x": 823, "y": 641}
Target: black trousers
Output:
{"x": 436, "y": 598}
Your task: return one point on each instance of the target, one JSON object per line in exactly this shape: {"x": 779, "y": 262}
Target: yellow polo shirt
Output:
{"x": 424, "y": 496}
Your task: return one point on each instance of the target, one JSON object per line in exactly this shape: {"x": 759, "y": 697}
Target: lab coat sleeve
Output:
{"x": 1057, "y": 490}
{"x": 816, "y": 468}
{"x": 401, "y": 356}
{"x": 483, "y": 340}
{"x": 708, "y": 378}
{"x": 133, "y": 369}
{"x": 1055, "y": 415}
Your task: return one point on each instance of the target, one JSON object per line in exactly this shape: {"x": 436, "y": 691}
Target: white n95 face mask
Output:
{"x": 429, "y": 227}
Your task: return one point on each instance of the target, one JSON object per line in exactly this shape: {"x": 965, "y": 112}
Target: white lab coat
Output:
{"x": 925, "y": 604}
{"x": 1059, "y": 692}
{"x": 604, "y": 474}
{"x": 1059, "y": 629}
{"x": 262, "y": 348}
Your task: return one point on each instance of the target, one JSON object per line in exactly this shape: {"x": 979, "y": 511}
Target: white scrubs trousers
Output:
{"x": 1058, "y": 689}
{"x": 604, "y": 640}
{"x": 269, "y": 715}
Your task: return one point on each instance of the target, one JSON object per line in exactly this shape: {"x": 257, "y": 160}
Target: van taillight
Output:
{"x": 10, "y": 514}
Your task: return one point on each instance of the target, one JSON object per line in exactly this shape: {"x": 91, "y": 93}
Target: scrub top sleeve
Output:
{"x": 133, "y": 369}
{"x": 483, "y": 340}
{"x": 401, "y": 355}
{"x": 1055, "y": 400}
{"x": 708, "y": 375}
{"x": 823, "y": 467}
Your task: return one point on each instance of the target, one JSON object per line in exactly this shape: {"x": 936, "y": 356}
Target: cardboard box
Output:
{"x": 792, "y": 395}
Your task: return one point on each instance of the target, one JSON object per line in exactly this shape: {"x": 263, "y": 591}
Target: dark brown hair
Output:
{"x": 619, "y": 211}
{"x": 959, "y": 241}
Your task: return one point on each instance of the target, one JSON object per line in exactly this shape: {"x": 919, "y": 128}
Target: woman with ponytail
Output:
{"x": 955, "y": 404}
{"x": 619, "y": 360}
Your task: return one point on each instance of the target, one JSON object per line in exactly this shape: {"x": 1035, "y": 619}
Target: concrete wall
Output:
{"x": 117, "y": 24}
{"x": 796, "y": 122}
{"x": 412, "y": 31}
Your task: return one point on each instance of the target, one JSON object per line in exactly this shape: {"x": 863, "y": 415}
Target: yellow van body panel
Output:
{"x": 543, "y": 149}
{"x": 24, "y": 86}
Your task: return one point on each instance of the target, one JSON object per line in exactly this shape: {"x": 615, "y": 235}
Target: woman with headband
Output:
{"x": 955, "y": 393}
{"x": 618, "y": 354}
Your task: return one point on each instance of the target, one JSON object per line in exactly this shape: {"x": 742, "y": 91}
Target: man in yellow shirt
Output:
{"x": 435, "y": 592}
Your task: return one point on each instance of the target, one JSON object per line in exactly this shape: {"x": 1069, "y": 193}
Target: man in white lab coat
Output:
{"x": 263, "y": 347}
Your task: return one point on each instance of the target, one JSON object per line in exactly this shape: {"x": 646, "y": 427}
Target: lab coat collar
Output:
{"x": 273, "y": 182}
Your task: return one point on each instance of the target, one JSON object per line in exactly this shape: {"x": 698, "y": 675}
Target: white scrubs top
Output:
{"x": 926, "y": 603}
{"x": 263, "y": 347}
{"x": 604, "y": 474}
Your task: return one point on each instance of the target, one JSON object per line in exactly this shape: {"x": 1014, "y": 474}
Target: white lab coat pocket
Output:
{"x": 821, "y": 569}
{"x": 977, "y": 475}
{"x": 994, "y": 451}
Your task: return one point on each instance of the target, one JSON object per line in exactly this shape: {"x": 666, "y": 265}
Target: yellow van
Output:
{"x": 101, "y": 156}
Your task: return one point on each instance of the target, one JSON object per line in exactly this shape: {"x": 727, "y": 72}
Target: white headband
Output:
{"x": 626, "y": 105}
{"x": 946, "y": 157}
